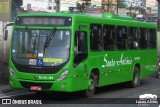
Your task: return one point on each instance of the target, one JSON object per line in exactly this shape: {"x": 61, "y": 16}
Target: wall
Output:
{"x": 4, "y": 53}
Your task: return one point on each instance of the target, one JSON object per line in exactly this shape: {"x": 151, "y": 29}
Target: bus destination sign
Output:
{"x": 41, "y": 21}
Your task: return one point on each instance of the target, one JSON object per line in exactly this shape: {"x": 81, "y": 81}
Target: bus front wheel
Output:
{"x": 91, "y": 86}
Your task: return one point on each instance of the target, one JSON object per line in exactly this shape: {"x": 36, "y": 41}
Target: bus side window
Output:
{"x": 122, "y": 38}
{"x": 133, "y": 38}
{"x": 152, "y": 39}
{"x": 80, "y": 48}
{"x": 109, "y": 38}
{"x": 96, "y": 37}
{"x": 143, "y": 38}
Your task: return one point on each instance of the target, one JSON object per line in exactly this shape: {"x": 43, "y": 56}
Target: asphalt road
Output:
{"x": 114, "y": 95}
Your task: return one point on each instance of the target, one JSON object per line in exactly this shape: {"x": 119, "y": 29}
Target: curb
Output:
{"x": 6, "y": 90}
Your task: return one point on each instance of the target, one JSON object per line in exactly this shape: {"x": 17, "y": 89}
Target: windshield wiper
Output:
{"x": 49, "y": 38}
{"x": 34, "y": 42}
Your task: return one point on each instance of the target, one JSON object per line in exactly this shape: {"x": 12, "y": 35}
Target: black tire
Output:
{"x": 91, "y": 87}
{"x": 135, "y": 78}
{"x": 158, "y": 73}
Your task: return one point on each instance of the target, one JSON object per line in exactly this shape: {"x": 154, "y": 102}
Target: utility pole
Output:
{"x": 158, "y": 18}
{"x": 57, "y": 5}
{"x": 85, "y": 6}
{"x": 117, "y": 5}
{"x": 109, "y": 6}
{"x": 131, "y": 5}
{"x": 158, "y": 26}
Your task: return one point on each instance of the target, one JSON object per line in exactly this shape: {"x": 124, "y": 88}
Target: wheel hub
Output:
{"x": 91, "y": 84}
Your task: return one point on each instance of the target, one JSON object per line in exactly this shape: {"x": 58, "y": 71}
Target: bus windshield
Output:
{"x": 29, "y": 47}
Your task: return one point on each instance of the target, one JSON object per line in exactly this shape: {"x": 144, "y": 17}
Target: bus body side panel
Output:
{"x": 149, "y": 66}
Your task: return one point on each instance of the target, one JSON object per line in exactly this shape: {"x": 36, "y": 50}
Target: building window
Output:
{"x": 50, "y": 1}
{"x": 49, "y": 8}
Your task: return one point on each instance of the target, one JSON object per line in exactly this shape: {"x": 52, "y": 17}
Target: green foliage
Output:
{"x": 18, "y": 2}
{"x": 142, "y": 11}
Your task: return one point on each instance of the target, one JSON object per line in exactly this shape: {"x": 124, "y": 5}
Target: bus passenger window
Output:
{"x": 143, "y": 38}
{"x": 152, "y": 39}
{"x": 109, "y": 38}
{"x": 96, "y": 37}
{"x": 122, "y": 38}
{"x": 133, "y": 38}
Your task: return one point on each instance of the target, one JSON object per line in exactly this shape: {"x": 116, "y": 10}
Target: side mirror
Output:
{"x": 5, "y": 34}
{"x": 6, "y": 31}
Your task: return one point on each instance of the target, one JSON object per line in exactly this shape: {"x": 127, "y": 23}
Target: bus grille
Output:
{"x": 43, "y": 85}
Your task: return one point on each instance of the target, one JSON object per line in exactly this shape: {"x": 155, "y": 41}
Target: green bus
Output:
{"x": 78, "y": 52}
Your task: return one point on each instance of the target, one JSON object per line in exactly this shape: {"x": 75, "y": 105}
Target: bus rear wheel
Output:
{"x": 158, "y": 73}
{"x": 91, "y": 86}
{"x": 136, "y": 78}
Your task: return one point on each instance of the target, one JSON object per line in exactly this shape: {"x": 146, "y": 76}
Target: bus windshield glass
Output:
{"x": 29, "y": 47}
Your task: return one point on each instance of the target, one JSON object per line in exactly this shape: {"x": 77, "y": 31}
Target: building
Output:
{"x": 152, "y": 6}
{"x": 49, "y": 5}
{"x": 67, "y": 4}
{"x": 35, "y": 5}
{"x": 55, "y": 5}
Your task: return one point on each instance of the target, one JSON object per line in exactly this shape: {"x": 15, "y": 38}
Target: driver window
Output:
{"x": 80, "y": 48}
{"x": 81, "y": 42}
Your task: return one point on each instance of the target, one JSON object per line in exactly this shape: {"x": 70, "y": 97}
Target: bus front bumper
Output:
{"x": 63, "y": 86}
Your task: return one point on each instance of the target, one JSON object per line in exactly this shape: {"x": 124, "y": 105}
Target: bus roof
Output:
{"x": 111, "y": 18}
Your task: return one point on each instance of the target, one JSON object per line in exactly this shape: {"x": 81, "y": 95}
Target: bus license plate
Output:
{"x": 35, "y": 88}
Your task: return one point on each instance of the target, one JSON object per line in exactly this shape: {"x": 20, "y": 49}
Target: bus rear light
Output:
{"x": 12, "y": 73}
{"x": 63, "y": 75}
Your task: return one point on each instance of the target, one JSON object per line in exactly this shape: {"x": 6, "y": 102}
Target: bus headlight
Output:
{"x": 12, "y": 73}
{"x": 63, "y": 75}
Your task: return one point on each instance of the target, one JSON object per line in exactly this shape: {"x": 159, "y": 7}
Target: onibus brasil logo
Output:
{"x": 146, "y": 99}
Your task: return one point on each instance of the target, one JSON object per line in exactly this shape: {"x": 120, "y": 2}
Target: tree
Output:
{"x": 142, "y": 10}
{"x": 18, "y": 2}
